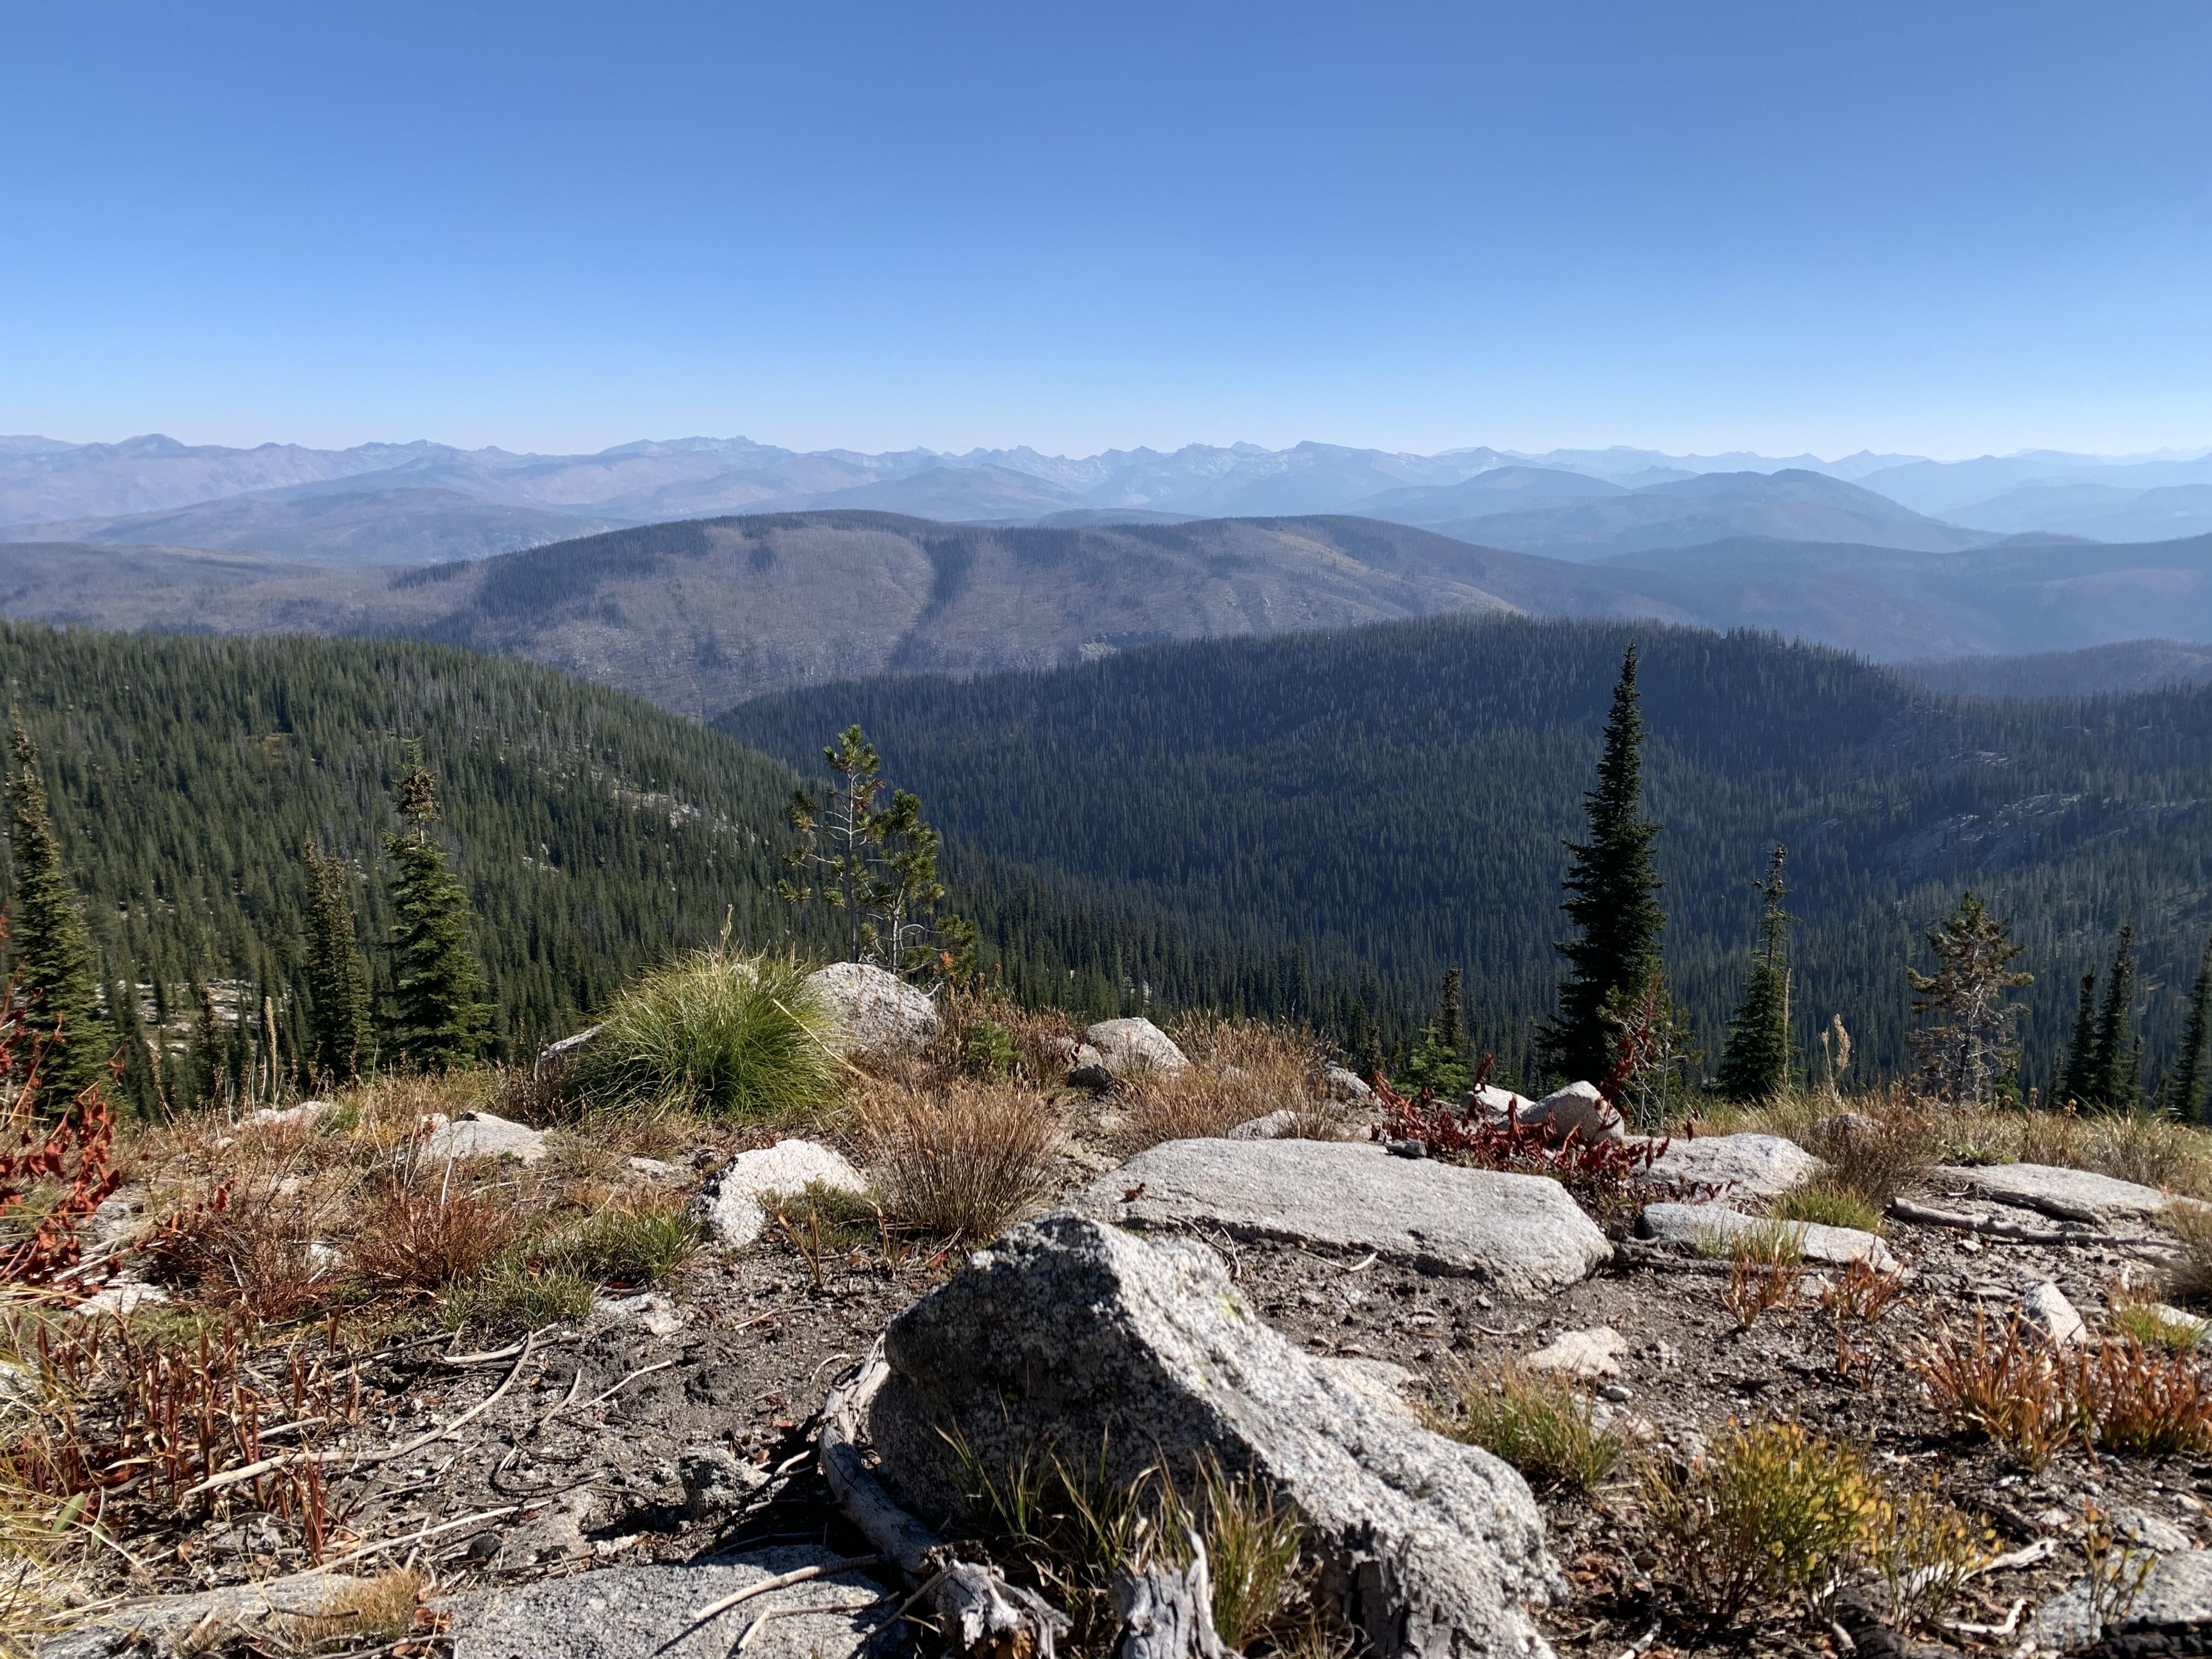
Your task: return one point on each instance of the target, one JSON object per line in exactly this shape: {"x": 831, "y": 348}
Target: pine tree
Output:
{"x": 1966, "y": 1045}
{"x": 439, "y": 1017}
{"x": 2079, "y": 1076}
{"x": 338, "y": 984}
{"x": 1756, "y": 1061}
{"x": 2186, "y": 1094}
{"x": 1438, "y": 1061}
{"x": 2114, "y": 1066}
{"x": 1613, "y": 891}
{"x": 52, "y": 950}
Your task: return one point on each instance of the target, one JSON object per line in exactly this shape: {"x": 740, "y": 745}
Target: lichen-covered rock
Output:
{"x": 1518, "y": 1232}
{"x": 728, "y": 1201}
{"x": 877, "y": 1011}
{"x": 1128, "y": 1046}
{"x": 1069, "y": 1333}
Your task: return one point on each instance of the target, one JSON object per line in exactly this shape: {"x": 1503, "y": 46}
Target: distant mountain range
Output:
{"x": 427, "y": 501}
{"x": 702, "y": 614}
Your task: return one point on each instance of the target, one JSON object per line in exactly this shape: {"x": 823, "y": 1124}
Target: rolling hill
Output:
{"x": 1392, "y": 798}
{"x": 2127, "y": 665}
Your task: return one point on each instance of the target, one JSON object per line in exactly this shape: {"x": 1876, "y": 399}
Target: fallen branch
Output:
{"x": 782, "y": 1581}
{"x": 977, "y": 1611}
{"x": 416, "y": 1537}
{"x": 1635, "y": 1253}
{"x": 1927, "y": 1215}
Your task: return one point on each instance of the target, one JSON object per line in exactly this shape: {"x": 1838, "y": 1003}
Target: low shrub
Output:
{"x": 1539, "y": 1424}
{"x": 959, "y": 1163}
{"x": 1240, "y": 1069}
{"x": 2007, "y": 1386}
{"x": 1923, "y": 1550}
{"x": 1771, "y": 1512}
{"x": 1826, "y": 1202}
{"x": 252, "y": 1243}
{"x": 986, "y": 1050}
{"x": 716, "y": 1033}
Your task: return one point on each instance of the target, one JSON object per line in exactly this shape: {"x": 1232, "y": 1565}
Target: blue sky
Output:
{"x": 1946, "y": 228}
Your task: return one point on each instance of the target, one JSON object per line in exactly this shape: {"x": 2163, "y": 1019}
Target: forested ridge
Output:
{"x": 1375, "y": 805}
{"x": 594, "y": 832}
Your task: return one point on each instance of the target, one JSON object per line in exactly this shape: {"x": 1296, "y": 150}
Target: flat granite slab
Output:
{"x": 2069, "y": 1194}
{"x": 646, "y": 1613}
{"x": 1736, "y": 1166}
{"x": 1521, "y": 1233}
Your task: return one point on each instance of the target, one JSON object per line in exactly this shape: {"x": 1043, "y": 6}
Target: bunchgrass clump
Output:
{"x": 1826, "y": 1202}
{"x": 641, "y": 1240}
{"x": 516, "y": 1293}
{"x": 962, "y": 1161}
{"x": 1542, "y": 1425}
{"x": 2006, "y": 1384}
{"x": 717, "y": 1033}
{"x": 1240, "y": 1069}
{"x": 2189, "y": 1277}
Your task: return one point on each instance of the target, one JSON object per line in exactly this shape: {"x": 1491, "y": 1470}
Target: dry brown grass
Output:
{"x": 258, "y": 1240}
{"x": 1240, "y": 1070}
{"x": 2007, "y": 1385}
{"x": 962, "y": 1161}
{"x": 425, "y": 1231}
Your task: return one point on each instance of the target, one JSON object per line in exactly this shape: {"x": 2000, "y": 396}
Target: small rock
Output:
{"x": 554, "y": 1057}
{"x": 2147, "y": 1531}
{"x": 1127, "y": 1047}
{"x": 1337, "y": 1083}
{"x": 1273, "y": 1127}
{"x": 1691, "y": 1443}
{"x": 124, "y": 1297}
{"x": 728, "y": 1201}
{"x": 485, "y": 1134}
{"x": 1086, "y": 1068}
{"x": 482, "y": 1548}
{"x": 1738, "y": 1166}
{"x": 651, "y": 1309}
{"x": 715, "y": 1480}
{"x": 877, "y": 1011}
{"x": 1502, "y": 1102}
{"x": 290, "y": 1117}
{"x": 1579, "y": 1107}
{"x": 2046, "y": 1307}
{"x": 651, "y": 1168}
{"x": 1615, "y": 1393}
{"x": 1593, "y": 1353}
{"x": 1406, "y": 1148}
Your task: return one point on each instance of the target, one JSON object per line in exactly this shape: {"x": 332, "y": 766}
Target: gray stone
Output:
{"x": 715, "y": 1480}
{"x": 728, "y": 1201}
{"x": 1502, "y": 1103}
{"x": 2177, "y": 1592}
{"x": 1737, "y": 1166}
{"x": 1069, "y": 1333}
{"x": 1127, "y": 1047}
{"x": 2045, "y": 1306}
{"x": 1273, "y": 1127}
{"x": 1518, "y": 1232}
{"x": 2069, "y": 1194}
{"x": 1716, "y": 1225}
{"x": 653, "y": 1310}
{"x": 644, "y": 1612}
{"x": 554, "y": 1057}
{"x": 652, "y": 1169}
{"x": 288, "y": 1117}
{"x": 1341, "y": 1083}
{"x": 1593, "y": 1353}
{"x": 485, "y": 1134}
{"x": 1578, "y": 1107}
{"x": 121, "y": 1297}
{"x": 2147, "y": 1531}
{"x": 1380, "y": 1384}
{"x": 1086, "y": 1068}
{"x": 877, "y": 1011}
{"x": 162, "y": 1624}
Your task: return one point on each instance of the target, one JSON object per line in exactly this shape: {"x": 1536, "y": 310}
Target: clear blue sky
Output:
{"x": 1947, "y": 228}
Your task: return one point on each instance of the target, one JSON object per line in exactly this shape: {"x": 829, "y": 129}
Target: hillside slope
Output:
{"x": 699, "y": 615}
{"x": 1394, "y": 798}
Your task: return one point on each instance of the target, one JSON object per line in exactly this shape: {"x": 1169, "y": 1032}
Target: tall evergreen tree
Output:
{"x": 338, "y": 982}
{"x": 1755, "y": 1063}
{"x": 439, "y": 1017}
{"x": 1612, "y": 898}
{"x": 50, "y": 948}
{"x": 1438, "y": 1061}
{"x": 1965, "y": 1044}
{"x": 2115, "y": 1066}
{"x": 2185, "y": 1094}
{"x": 2079, "y": 1081}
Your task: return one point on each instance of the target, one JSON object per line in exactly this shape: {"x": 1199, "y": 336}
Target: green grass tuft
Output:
{"x": 716, "y": 1033}
{"x": 1827, "y": 1204}
{"x": 1542, "y": 1425}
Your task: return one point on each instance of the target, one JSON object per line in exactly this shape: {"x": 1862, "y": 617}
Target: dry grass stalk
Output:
{"x": 423, "y": 1231}
{"x": 2141, "y": 1400}
{"x": 2014, "y": 1389}
{"x": 961, "y": 1162}
{"x": 1539, "y": 1424}
{"x": 1240, "y": 1069}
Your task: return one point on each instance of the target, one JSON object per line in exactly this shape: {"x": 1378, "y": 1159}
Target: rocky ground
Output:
{"x": 675, "y": 1424}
